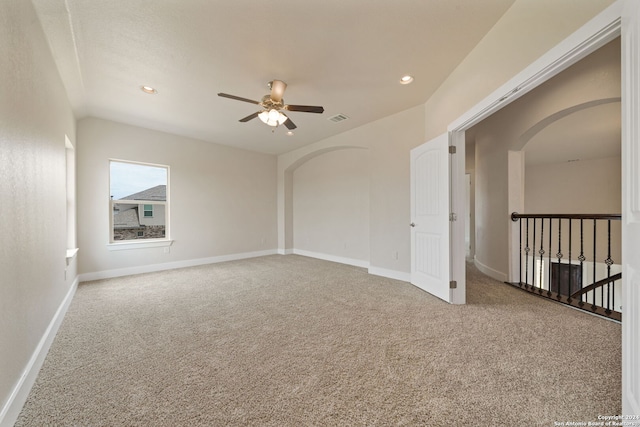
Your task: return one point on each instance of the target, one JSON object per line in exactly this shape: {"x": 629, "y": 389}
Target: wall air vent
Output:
{"x": 338, "y": 118}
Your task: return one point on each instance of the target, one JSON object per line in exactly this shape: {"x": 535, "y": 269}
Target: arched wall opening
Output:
{"x": 326, "y": 204}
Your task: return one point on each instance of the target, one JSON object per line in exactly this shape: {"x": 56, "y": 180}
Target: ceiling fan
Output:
{"x": 273, "y": 106}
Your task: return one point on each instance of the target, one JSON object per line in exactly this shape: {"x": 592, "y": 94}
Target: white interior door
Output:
{"x": 630, "y": 208}
{"x": 430, "y": 249}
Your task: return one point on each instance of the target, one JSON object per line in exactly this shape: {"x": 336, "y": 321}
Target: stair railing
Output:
{"x": 570, "y": 258}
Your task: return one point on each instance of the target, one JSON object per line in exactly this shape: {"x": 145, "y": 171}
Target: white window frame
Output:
{"x": 140, "y": 243}
{"x": 70, "y": 184}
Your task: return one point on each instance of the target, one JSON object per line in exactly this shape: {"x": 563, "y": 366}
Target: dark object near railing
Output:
{"x": 591, "y": 280}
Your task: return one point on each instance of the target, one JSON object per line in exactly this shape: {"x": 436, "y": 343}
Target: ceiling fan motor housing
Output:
{"x": 270, "y": 104}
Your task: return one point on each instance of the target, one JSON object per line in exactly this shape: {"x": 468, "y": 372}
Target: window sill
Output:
{"x": 71, "y": 254}
{"x": 139, "y": 245}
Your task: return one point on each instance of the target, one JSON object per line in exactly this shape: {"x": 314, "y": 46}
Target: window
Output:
{"x": 138, "y": 205}
{"x": 70, "y": 161}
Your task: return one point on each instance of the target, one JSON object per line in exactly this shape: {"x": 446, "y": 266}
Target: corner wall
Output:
{"x": 331, "y": 206}
{"x": 387, "y": 142}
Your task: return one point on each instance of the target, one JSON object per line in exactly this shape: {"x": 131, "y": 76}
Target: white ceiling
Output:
{"x": 345, "y": 55}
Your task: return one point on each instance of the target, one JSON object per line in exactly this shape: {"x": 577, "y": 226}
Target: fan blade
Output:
{"x": 237, "y": 98}
{"x": 277, "y": 90}
{"x": 250, "y": 117}
{"x": 289, "y": 124}
{"x": 304, "y": 108}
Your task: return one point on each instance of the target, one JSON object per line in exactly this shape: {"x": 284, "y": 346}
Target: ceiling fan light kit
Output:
{"x": 272, "y": 104}
{"x": 272, "y": 117}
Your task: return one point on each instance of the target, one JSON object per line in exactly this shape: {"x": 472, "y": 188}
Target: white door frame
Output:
{"x": 602, "y": 29}
{"x": 590, "y": 37}
{"x": 593, "y": 35}
{"x": 458, "y": 209}
{"x": 630, "y": 208}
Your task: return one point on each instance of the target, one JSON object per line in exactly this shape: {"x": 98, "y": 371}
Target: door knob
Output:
{"x": 413, "y": 224}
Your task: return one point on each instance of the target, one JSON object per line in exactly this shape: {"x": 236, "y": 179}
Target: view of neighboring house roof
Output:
{"x": 157, "y": 193}
{"x": 126, "y": 219}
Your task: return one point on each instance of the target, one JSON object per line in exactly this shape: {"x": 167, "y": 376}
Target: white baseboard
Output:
{"x": 108, "y": 274}
{"x": 376, "y": 271}
{"x": 391, "y": 274}
{"x": 285, "y": 251}
{"x": 495, "y": 274}
{"x": 332, "y": 258}
{"x": 11, "y": 410}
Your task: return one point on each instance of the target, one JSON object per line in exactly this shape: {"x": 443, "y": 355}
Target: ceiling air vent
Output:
{"x": 338, "y": 118}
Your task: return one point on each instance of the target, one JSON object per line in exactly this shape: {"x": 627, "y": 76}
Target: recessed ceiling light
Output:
{"x": 289, "y": 133}
{"x": 148, "y": 89}
{"x": 405, "y": 80}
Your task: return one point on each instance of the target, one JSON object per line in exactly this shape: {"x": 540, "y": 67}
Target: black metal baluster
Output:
{"x": 569, "y": 266}
{"x": 613, "y": 294}
{"x": 581, "y": 258}
{"x": 533, "y": 256}
{"x": 559, "y": 255}
{"x": 549, "y": 256}
{"x": 609, "y": 262}
{"x": 593, "y": 293}
{"x": 520, "y": 272}
{"x": 541, "y": 252}
{"x": 526, "y": 255}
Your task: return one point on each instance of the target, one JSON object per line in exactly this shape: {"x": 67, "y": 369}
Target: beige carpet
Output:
{"x": 294, "y": 341}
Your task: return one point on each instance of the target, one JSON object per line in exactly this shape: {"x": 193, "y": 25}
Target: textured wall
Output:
{"x": 34, "y": 118}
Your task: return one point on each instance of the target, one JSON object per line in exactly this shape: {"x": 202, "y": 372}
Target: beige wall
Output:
{"x": 222, "y": 200}
{"x": 331, "y": 204}
{"x": 35, "y": 116}
{"x": 586, "y": 186}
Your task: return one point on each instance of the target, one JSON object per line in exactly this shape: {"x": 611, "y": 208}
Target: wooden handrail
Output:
{"x": 597, "y": 284}
{"x": 516, "y": 216}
